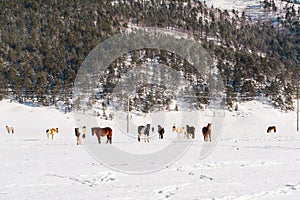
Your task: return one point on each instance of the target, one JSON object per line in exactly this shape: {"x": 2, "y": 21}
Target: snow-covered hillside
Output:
{"x": 252, "y": 8}
{"x": 246, "y": 163}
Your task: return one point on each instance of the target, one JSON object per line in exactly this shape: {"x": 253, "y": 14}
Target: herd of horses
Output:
{"x": 144, "y": 130}
{"x": 188, "y": 132}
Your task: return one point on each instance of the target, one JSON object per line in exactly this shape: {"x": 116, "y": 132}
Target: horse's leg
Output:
{"x": 210, "y": 137}
{"x": 139, "y": 137}
{"x": 52, "y": 136}
{"x": 99, "y": 138}
{"x": 107, "y": 139}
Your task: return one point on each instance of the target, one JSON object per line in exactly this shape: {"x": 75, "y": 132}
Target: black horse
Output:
{"x": 161, "y": 131}
{"x": 190, "y": 131}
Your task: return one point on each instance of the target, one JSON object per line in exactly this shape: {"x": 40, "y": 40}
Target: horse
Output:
{"x": 83, "y": 131}
{"x": 206, "y": 130}
{"x": 9, "y": 129}
{"x": 179, "y": 131}
{"x": 101, "y": 132}
{"x": 51, "y": 131}
{"x": 144, "y": 130}
{"x": 271, "y": 128}
{"x": 77, "y": 134}
{"x": 161, "y": 131}
{"x": 190, "y": 131}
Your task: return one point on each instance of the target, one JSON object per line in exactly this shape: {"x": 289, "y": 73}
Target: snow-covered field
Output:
{"x": 246, "y": 163}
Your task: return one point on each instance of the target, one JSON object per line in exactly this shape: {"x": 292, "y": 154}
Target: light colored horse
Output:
{"x": 10, "y": 129}
{"x": 51, "y": 131}
{"x": 180, "y": 130}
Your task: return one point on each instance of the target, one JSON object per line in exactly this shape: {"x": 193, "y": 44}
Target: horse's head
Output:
{"x": 56, "y": 129}
{"x": 174, "y": 128}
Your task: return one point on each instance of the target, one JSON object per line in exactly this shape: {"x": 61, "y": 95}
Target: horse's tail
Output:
{"x": 110, "y": 135}
{"x": 204, "y": 130}
{"x": 47, "y": 130}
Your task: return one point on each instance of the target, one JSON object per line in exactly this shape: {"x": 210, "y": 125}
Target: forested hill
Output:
{"x": 43, "y": 43}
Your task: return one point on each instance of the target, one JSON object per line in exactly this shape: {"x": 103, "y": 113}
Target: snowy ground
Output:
{"x": 247, "y": 163}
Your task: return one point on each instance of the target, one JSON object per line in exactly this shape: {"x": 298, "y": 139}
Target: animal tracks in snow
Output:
{"x": 228, "y": 164}
{"x": 206, "y": 177}
{"x": 106, "y": 178}
{"x": 285, "y": 190}
{"x": 169, "y": 191}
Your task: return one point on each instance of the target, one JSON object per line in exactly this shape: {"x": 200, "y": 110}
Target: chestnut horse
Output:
{"x": 51, "y": 131}
{"x": 101, "y": 132}
{"x": 206, "y": 130}
{"x": 271, "y": 128}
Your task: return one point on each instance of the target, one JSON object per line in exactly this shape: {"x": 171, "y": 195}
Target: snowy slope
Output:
{"x": 247, "y": 163}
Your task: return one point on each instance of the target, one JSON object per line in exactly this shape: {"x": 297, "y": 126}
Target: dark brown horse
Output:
{"x": 161, "y": 131}
{"x": 271, "y": 128}
{"x": 101, "y": 132}
{"x": 206, "y": 130}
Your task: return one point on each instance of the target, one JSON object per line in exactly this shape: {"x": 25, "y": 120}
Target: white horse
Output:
{"x": 180, "y": 130}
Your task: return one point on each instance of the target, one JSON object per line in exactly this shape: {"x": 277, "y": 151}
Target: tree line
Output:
{"x": 44, "y": 43}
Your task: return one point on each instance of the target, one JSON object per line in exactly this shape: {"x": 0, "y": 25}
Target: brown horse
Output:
{"x": 51, "y": 131}
{"x": 101, "y": 132}
{"x": 271, "y": 128}
{"x": 206, "y": 130}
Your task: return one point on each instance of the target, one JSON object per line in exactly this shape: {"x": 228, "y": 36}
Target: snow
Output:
{"x": 246, "y": 163}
